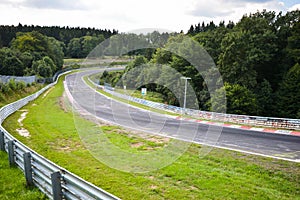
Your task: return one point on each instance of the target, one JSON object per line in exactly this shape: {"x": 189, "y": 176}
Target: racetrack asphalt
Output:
{"x": 286, "y": 147}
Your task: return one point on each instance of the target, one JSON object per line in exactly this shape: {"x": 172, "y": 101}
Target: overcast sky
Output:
{"x": 127, "y": 15}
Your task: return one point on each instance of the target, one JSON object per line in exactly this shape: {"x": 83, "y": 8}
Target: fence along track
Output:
{"x": 54, "y": 181}
{"x": 271, "y": 122}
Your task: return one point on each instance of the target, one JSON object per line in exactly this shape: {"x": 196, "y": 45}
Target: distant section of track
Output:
{"x": 266, "y": 144}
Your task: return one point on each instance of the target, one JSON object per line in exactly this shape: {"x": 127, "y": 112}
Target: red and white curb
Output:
{"x": 243, "y": 127}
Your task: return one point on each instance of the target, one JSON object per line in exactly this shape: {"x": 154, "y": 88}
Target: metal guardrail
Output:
{"x": 56, "y": 182}
{"x": 272, "y": 122}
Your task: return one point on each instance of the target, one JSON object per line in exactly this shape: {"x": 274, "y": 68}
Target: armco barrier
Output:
{"x": 53, "y": 180}
{"x": 272, "y": 122}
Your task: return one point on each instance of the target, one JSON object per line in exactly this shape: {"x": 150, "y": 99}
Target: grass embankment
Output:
{"x": 221, "y": 174}
{"x": 14, "y": 95}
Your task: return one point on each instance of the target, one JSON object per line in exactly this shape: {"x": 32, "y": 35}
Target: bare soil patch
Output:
{"x": 22, "y": 131}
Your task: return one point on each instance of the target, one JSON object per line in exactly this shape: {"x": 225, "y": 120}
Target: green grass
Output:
{"x": 69, "y": 61}
{"x": 132, "y": 142}
{"x": 114, "y": 63}
{"x": 221, "y": 174}
{"x": 12, "y": 183}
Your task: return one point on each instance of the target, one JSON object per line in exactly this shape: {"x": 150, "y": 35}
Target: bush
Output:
{"x": 6, "y": 89}
{"x": 2, "y": 97}
{"x": 20, "y": 85}
{"x": 12, "y": 84}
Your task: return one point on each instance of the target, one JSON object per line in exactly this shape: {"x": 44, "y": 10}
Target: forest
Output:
{"x": 258, "y": 58}
{"x": 35, "y": 50}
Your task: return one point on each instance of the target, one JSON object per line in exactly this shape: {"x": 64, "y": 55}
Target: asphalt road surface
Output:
{"x": 266, "y": 144}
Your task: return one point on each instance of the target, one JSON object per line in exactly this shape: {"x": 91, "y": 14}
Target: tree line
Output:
{"x": 32, "y": 53}
{"x": 258, "y": 58}
{"x": 35, "y": 50}
{"x": 63, "y": 34}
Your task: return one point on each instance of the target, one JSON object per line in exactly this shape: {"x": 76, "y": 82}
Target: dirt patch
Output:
{"x": 159, "y": 140}
{"x": 22, "y": 131}
{"x": 193, "y": 188}
{"x": 146, "y": 136}
{"x": 62, "y": 103}
{"x": 137, "y": 145}
{"x": 22, "y": 117}
{"x": 65, "y": 149}
{"x": 65, "y": 145}
{"x": 153, "y": 187}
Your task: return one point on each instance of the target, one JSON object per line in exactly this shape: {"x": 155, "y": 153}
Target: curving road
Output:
{"x": 266, "y": 144}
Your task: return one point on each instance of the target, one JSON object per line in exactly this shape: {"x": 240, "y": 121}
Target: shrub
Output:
{"x": 6, "y": 89}
{"x": 12, "y": 84}
{"x": 20, "y": 85}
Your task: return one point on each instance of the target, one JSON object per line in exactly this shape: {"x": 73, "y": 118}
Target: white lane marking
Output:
{"x": 283, "y": 132}
{"x": 256, "y": 129}
{"x": 235, "y": 126}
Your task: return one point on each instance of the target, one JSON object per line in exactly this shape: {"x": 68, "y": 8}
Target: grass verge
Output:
{"x": 12, "y": 183}
{"x": 221, "y": 174}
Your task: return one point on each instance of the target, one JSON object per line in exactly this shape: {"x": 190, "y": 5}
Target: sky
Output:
{"x": 128, "y": 15}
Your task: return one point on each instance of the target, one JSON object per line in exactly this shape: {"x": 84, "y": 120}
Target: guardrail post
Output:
{"x": 2, "y": 142}
{"x": 11, "y": 153}
{"x": 56, "y": 185}
{"x": 28, "y": 169}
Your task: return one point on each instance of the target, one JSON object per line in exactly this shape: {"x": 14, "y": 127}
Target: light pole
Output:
{"x": 185, "y": 89}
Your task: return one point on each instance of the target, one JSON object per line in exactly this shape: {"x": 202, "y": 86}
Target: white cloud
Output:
{"x": 222, "y": 8}
{"x": 234, "y": 9}
{"x": 294, "y": 7}
{"x": 212, "y": 9}
{"x": 55, "y": 4}
{"x": 130, "y": 14}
